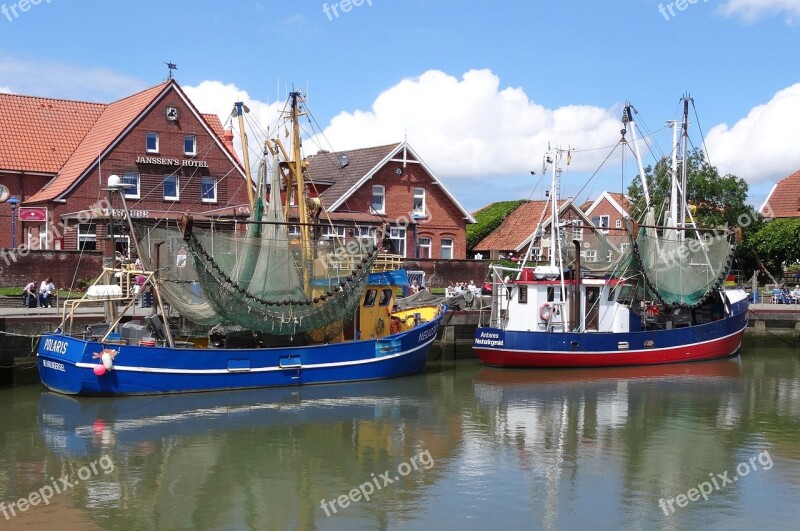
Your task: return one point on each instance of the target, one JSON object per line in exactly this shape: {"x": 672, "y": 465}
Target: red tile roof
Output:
{"x": 784, "y": 199}
{"x": 325, "y": 166}
{"x": 519, "y": 224}
{"x": 40, "y": 134}
{"x": 113, "y": 121}
{"x": 622, "y": 200}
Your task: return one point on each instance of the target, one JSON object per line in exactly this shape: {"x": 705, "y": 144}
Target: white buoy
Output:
{"x": 108, "y": 362}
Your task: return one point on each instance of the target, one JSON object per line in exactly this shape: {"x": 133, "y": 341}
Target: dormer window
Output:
{"x": 151, "y": 142}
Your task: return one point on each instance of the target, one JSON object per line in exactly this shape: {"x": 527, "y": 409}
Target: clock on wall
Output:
{"x": 172, "y": 114}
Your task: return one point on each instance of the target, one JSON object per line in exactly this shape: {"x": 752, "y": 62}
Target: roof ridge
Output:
{"x": 160, "y": 85}
{"x": 66, "y": 100}
{"x": 324, "y": 152}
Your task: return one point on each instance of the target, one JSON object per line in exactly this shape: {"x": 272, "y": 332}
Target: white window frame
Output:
{"x": 428, "y": 246}
{"x": 194, "y": 145}
{"x": 177, "y": 195}
{"x": 87, "y": 232}
{"x": 624, "y": 247}
{"x": 378, "y": 190}
{"x": 127, "y": 178}
{"x": 203, "y": 181}
{"x": 398, "y": 237}
{"x": 607, "y": 220}
{"x": 589, "y": 255}
{"x": 419, "y": 193}
{"x": 577, "y": 230}
{"x": 43, "y": 237}
{"x": 148, "y": 136}
{"x": 448, "y": 246}
{"x": 366, "y": 234}
{"x": 294, "y": 230}
{"x": 336, "y": 231}
{"x": 619, "y": 223}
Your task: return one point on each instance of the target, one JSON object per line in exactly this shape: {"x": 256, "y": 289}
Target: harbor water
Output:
{"x": 710, "y": 445}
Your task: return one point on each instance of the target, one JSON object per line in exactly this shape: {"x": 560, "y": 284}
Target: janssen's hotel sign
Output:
{"x": 164, "y": 161}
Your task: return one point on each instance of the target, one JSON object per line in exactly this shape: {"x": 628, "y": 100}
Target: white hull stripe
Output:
{"x": 623, "y": 351}
{"x": 257, "y": 369}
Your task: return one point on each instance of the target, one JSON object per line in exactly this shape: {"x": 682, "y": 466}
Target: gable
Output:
{"x": 361, "y": 165}
{"x": 116, "y": 121}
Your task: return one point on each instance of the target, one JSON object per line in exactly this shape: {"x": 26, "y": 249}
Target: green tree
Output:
{"x": 778, "y": 242}
{"x": 716, "y": 201}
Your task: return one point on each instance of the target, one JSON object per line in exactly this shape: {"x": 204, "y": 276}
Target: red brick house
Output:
{"x": 515, "y": 234}
{"x": 608, "y": 213}
{"x": 58, "y": 155}
{"x": 363, "y": 189}
{"x": 783, "y": 200}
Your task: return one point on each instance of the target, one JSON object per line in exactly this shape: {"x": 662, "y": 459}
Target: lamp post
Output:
{"x": 13, "y": 201}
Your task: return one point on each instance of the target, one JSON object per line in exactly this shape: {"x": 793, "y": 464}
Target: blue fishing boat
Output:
{"x": 282, "y": 303}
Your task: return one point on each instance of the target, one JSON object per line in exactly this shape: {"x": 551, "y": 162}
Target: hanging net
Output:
{"x": 264, "y": 280}
{"x": 682, "y": 272}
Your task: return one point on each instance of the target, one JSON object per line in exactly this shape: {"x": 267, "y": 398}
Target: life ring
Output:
{"x": 545, "y": 311}
{"x": 379, "y": 325}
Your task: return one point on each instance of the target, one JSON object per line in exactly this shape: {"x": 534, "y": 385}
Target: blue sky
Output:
{"x": 478, "y": 89}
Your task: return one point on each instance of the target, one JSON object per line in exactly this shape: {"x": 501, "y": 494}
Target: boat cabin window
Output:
{"x": 522, "y": 294}
{"x": 369, "y": 297}
{"x": 551, "y": 294}
{"x": 386, "y": 297}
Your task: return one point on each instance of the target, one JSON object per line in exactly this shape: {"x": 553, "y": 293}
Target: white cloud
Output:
{"x": 6, "y": 90}
{"x": 471, "y": 127}
{"x": 763, "y": 145}
{"x": 218, "y": 98}
{"x": 751, "y": 10}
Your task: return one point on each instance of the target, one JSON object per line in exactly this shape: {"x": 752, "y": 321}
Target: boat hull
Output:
{"x": 718, "y": 339}
{"x": 67, "y": 364}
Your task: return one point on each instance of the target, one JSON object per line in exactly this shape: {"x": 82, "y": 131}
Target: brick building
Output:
{"x": 517, "y": 232}
{"x": 58, "y": 154}
{"x": 363, "y": 189}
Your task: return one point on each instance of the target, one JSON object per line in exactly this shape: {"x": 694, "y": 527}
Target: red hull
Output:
{"x": 709, "y": 350}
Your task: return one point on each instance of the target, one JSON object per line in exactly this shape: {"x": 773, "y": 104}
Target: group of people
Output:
{"x": 41, "y": 297}
{"x": 462, "y": 287}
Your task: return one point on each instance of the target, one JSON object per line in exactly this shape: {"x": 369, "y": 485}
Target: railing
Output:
{"x": 387, "y": 262}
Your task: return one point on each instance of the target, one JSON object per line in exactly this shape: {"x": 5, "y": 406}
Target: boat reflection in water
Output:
{"x": 638, "y": 432}
{"x": 260, "y": 458}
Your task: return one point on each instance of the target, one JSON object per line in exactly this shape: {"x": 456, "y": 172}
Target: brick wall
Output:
{"x": 443, "y": 218}
{"x": 37, "y": 265}
{"x": 440, "y": 273}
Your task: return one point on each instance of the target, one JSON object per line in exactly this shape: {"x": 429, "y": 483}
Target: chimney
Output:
{"x": 227, "y": 139}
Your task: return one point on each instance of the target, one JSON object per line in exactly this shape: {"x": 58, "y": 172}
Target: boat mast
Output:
{"x": 629, "y": 122}
{"x": 685, "y": 169}
{"x": 297, "y": 163}
{"x": 555, "y": 229}
{"x": 673, "y": 198}
{"x": 239, "y": 109}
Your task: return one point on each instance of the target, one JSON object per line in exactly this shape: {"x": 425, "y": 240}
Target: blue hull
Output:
{"x": 66, "y": 364}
